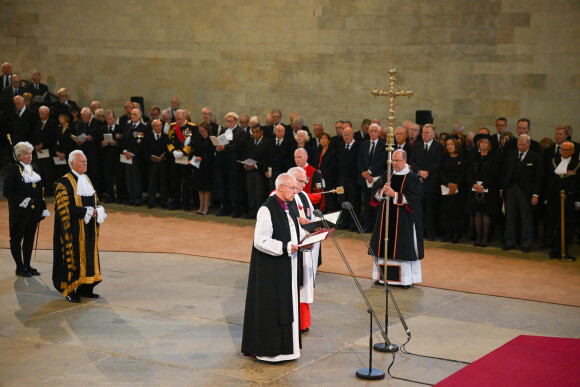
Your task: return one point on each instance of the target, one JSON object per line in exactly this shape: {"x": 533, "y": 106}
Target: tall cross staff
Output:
{"x": 392, "y": 93}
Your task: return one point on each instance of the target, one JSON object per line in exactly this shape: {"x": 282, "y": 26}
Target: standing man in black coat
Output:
{"x": 371, "y": 164}
{"x": 426, "y": 162}
{"x": 133, "y": 150}
{"x": 520, "y": 188}
{"x": 91, "y": 146}
{"x": 280, "y": 156}
{"x": 228, "y": 171}
{"x": 112, "y": 168}
{"x": 347, "y": 177}
{"x": 563, "y": 175}
{"x": 155, "y": 155}
{"x": 256, "y": 149}
{"x": 38, "y": 89}
{"x": 22, "y": 122}
{"x": 44, "y": 141}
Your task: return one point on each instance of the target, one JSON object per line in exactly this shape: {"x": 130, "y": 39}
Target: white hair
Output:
{"x": 21, "y": 147}
{"x": 73, "y": 155}
{"x": 294, "y": 171}
{"x": 282, "y": 178}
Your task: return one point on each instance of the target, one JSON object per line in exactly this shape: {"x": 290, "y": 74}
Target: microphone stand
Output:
{"x": 369, "y": 373}
{"x": 381, "y": 347}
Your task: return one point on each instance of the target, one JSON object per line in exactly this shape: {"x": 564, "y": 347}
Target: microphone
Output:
{"x": 318, "y": 213}
{"x": 346, "y": 205}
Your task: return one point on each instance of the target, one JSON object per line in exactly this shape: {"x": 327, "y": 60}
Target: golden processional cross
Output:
{"x": 392, "y": 93}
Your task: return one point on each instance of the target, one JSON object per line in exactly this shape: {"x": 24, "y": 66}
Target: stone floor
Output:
{"x": 169, "y": 319}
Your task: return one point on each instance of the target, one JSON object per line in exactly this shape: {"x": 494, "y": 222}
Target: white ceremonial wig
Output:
{"x": 21, "y": 147}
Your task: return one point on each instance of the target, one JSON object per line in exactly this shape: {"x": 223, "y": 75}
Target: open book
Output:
{"x": 249, "y": 162}
{"x": 315, "y": 237}
{"x": 331, "y": 220}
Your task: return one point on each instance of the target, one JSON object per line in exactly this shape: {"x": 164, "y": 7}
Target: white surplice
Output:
{"x": 263, "y": 241}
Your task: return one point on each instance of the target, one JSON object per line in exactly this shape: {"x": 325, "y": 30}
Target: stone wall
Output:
{"x": 467, "y": 61}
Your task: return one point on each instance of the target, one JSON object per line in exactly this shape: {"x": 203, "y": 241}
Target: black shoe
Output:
{"x": 445, "y": 239}
{"x": 236, "y": 214}
{"x": 525, "y": 249}
{"x": 249, "y": 217}
{"x": 223, "y": 213}
{"x": 455, "y": 240}
{"x": 476, "y": 243}
{"x": 23, "y": 273}
{"x": 506, "y": 247}
{"x": 32, "y": 271}
{"x": 73, "y": 298}
{"x": 89, "y": 295}
{"x": 129, "y": 203}
{"x": 379, "y": 283}
{"x": 305, "y": 330}
{"x": 353, "y": 229}
{"x": 405, "y": 286}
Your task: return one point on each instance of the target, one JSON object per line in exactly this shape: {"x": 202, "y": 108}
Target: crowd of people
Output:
{"x": 499, "y": 183}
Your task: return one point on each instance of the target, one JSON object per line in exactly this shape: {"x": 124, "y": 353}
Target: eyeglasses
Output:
{"x": 292, "y": 188}
{"x": 398, "y": 161}
{"x": 302, "y": 181}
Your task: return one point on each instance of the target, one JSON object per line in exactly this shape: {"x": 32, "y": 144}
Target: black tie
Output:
{"x": 156, "y": 137}
{"x": 372, "y": 150}
{"x": 255, "y": 142}
{"x": 36, "y": 86}
{"x": 278, "y": 142}
{"x": 110, "y": 129}
{"x": 15, "y": 91}
{"x": 557, "y": 150}
{"x": 134, "y": 126}
{"x": 521, "y": 156}
{"x": 347, "y": 146}
{"x": 426, "y": 148}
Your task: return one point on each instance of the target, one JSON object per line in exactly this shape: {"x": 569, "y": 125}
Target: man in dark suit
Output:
{"x": 38, "y": 89}
{"x": 155, "y": 155}
{"x": 371, "y": 164}
{"x": 113, "y": 173}
{"x": 228, "y": 172}
{"x": 22, "y": 122}
{"x": 563, "y": 175}
{"x": 276, "y": 116}
{"x": 206, "y": 117}
{"x": 280, "y": 156}
{"x": 256, "y": 149}
{"x": 523, "y": 127}
{"x": 8, "y": 93}
{"x": 64, "y": 105}
{"x": 6, "y": 75}
{"x": 520, "y": 188}
{"x": 126, "y": 118}
{"x": 363, "y": 133}
{"x": 347, "y": 177}
{"x": 500, "y": 127}
{"x": 132, "y": 148}
{"x": 44, "y": 141}
{"x": 91, "y": 146}
{"x": 426, "y": 161}
{"x": 401, "y": 141}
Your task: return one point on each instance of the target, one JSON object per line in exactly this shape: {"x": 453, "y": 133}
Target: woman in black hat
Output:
{"x": 64, "y": 143}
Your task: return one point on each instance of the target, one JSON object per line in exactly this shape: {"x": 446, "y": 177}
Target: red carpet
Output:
{"x": 525, "y": 361}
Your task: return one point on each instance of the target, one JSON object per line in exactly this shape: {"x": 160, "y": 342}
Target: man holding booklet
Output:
{"x": 271, "y": 319}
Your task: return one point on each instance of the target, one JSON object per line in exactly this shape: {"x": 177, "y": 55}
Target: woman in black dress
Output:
{"x": 324, "y": 160}
{"x": 482, "y": 181}
{"x": 64, "y": 144}
{"x": 26, "y": 207}
{"x": 204, "y": 152}
{"x": 452, "y": 176}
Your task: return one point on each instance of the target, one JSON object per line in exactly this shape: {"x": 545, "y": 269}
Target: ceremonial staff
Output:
{"x": 392, "y": 93}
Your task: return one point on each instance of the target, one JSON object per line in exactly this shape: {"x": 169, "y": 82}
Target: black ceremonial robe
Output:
{"x": 403, "y": 217}
{"x": 269, "y": 311}
{"x": 75, "y": 244}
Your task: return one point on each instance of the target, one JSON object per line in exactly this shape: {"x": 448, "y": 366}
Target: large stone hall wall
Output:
{"x": 467, "y": 61}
